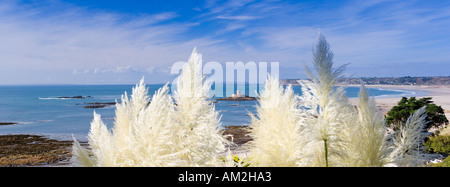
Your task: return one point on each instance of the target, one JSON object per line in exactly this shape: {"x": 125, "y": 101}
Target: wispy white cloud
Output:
{"x": 367, "y": 34}
{"x": 242, "y": 18}
{"x": 115, "y": 70}
{"x": 81, "y": 42}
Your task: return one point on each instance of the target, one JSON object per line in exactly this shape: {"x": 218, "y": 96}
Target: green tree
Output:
{"x": 400, "y": 113}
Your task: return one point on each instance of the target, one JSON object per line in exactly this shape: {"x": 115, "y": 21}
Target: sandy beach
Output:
{"x": 440, "y": 95}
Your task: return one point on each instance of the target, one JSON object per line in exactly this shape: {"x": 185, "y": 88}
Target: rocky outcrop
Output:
{"x": 8, "y": 123}
{"x": 246, "y": 98}
{"x": 74, "y": 97}
{"x": 99, "y": 105}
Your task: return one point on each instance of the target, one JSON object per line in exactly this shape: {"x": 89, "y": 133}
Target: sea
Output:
{"x": 52, "y": 110}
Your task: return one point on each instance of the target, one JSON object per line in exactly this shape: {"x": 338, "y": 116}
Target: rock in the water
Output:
{"x": 246, "y": 98}
{"x": 8, "y": 123}
{"x": 74, "y": 97}
{"x": 99, "y": 105}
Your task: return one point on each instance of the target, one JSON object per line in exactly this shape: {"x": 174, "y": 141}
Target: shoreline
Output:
{"x": 440, "y": 95}
{"x": 61, "y": 152}
{"x": 31, "y": 150}
{"x": 27, "y": 150}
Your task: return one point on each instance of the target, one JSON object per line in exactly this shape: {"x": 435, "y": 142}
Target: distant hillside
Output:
{"x": 387, "y": 80}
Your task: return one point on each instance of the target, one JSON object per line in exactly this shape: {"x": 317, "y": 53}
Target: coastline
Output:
{"x": 26, "y": 150}
{"x": 60, "y": 153}
{"x": 440, "y": 95}
{"x": 29, "y": 150}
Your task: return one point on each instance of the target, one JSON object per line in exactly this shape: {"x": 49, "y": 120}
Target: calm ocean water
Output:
{"x": 38, "y": 110}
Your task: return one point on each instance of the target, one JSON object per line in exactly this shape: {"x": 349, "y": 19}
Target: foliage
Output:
{"x": 438, "y": 144}
{"x": 444, "y": 163}
{"x": 400, "y": 113}
{"x": 240, "y": 161}
{"x": 237, "y": 162}
{"x": 445, "y": 131}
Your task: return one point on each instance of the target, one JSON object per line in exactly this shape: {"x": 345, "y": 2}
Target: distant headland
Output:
{"x": 385, "y": 81}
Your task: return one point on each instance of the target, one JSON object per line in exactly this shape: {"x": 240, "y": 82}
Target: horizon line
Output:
{"x": 117, "y": 84}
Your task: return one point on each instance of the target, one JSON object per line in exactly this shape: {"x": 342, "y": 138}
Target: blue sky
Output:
{"x": 118, "y": 42}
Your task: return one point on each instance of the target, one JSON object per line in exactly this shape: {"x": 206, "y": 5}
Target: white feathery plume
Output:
{"x": 326, "y": 129}
{"x": 276, "y": 128}
{"x": 132, "y": 140}
{"x": 126, "y": 114}
{"x": 202, "y": 138}
{"x": 319, "y": 128}
{"x": 159, "y": 133}
{"x": 332, "y": 106}
{"x": 408, "y": 142}
{"x": 367, "y": 141}
{"x": 80, "y": 155}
